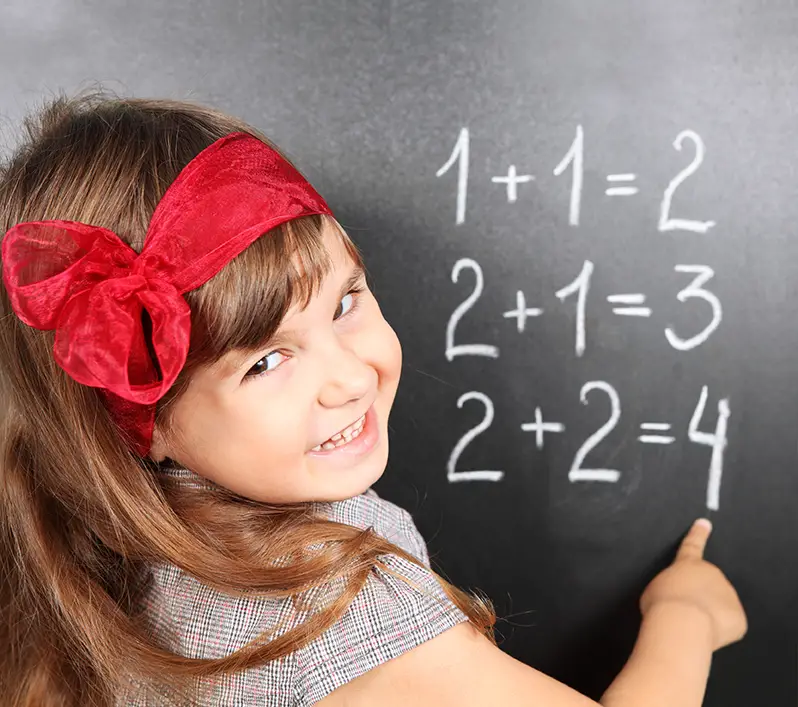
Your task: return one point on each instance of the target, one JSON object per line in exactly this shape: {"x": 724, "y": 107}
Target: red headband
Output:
{"x": 92, "y": 288}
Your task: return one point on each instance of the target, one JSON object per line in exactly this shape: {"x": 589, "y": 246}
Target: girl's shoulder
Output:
{"x": 388, "y": 617}
{"x": 392, "y": 522}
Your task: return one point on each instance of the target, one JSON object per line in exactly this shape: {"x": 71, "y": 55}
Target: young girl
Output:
{"x": 196, "y": 383}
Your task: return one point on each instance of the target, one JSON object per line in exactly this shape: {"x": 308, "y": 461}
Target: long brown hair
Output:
{"x": 81, "y": 516}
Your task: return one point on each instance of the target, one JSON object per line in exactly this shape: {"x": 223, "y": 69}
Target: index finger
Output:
{"x": 694, "y": 543}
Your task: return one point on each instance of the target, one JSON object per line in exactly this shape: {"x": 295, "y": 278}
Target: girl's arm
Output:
{"x": 670, "y": 662}
{"x": 689, "y": 610}
{"x": 461, "y": 668}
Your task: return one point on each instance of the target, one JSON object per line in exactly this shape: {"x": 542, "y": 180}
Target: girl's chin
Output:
{"x": 359, "y": 478}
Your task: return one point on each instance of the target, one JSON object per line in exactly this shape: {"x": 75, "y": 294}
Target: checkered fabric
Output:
{"x": 387, "y": 618}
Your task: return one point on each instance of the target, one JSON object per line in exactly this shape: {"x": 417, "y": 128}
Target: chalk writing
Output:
{"x": 580, "y": 287}
{"x": 574, "y": 159}
{"x": 580, "y": 293}
{"x": 453, "y": 350}
{"x": 579, "y": 472}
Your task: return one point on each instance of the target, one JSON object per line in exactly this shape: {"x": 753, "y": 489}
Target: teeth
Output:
{"x": 342, "y": 437}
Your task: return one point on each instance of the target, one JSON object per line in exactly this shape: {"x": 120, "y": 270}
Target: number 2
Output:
{"x": 453, "y": 350}
{"x": 666, "y": 223}
{"x": 577, "y": 473}
{"x": 452, "y": 474}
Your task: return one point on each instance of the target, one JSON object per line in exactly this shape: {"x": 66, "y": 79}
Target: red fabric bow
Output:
{"x": 93, "y": 289}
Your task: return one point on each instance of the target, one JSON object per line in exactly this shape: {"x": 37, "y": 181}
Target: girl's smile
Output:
{"x": 357, "y": 440}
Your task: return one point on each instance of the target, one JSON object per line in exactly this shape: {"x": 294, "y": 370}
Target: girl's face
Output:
{"x": 261, "y": 425}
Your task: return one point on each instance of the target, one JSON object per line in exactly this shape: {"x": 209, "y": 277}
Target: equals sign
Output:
{"x": 626, "y": 311}
{"x": 621, "y": 191}
{"x": 656, "y": 439}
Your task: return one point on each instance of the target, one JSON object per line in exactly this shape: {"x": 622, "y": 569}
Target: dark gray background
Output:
{"x": 368, "y": 98}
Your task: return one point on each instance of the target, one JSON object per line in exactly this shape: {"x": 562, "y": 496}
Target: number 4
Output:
{"x": 716, "y": 441}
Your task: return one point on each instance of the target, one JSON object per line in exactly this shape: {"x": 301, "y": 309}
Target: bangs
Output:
{"x": 241, "y": 308}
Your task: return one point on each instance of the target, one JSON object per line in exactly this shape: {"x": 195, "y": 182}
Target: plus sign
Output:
{"x": 522, "y": 311}
{"x": 539, "y": 427}
{"x": 512, "y": 180}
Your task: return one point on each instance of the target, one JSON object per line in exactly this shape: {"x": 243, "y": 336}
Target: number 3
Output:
{"x": 696, "y": 289}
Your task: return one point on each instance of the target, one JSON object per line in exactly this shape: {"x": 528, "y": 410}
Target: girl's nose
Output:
{"x": 348, "y": 379}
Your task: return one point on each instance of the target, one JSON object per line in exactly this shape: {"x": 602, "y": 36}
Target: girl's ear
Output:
{"x": 159, "y": 450}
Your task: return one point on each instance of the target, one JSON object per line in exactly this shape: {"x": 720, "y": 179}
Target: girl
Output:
{"x": 197, "y": 383}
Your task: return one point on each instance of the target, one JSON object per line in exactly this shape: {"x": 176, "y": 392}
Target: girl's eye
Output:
{"x": 347, "y": 302}
{"x": 273, "y": 360}
{"x": 267, "y": 364}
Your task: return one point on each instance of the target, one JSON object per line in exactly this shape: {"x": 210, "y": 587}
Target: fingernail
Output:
{"x": 705, "y": 522}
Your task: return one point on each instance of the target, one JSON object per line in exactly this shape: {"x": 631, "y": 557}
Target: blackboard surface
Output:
{"x": 628, "y": 167}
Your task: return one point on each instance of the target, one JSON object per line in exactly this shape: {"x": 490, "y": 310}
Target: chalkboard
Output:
{"x": 581, "y": 219}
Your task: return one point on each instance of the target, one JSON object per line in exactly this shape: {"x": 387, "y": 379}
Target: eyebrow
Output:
{"x": 280, "y": 337}
{"x": 358, "y": 273}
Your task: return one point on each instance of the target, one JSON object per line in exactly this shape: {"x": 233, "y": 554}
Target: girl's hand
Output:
{"x": 693, "y": 581}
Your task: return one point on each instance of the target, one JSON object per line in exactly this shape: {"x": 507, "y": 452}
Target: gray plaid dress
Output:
{"x": 387, "y": 618}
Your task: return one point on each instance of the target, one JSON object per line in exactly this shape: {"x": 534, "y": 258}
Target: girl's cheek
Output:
{"x": 390, "y": 346}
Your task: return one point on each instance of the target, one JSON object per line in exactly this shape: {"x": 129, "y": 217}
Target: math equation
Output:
{"x": 692, "y": 287}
